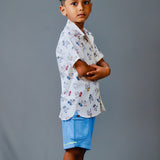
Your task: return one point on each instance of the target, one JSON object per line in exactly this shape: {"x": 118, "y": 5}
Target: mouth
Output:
{"x": 81, "y": 15}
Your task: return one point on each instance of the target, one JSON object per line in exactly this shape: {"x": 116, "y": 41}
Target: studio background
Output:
{"x": 127, "y": 32}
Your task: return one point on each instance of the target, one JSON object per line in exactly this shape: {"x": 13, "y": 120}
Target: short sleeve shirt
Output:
{"x": 77, "y": 93}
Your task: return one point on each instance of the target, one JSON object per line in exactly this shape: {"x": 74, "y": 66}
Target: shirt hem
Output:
{"x": 81, "y": 115}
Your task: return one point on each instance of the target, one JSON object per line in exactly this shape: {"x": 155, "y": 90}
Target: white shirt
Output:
{"x": 77, "y": 92}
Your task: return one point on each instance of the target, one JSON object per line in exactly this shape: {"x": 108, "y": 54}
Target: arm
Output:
{"x": 102, "y": 70}
{"x": 83, "y": 68}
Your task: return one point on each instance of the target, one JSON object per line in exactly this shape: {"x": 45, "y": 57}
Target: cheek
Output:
{"x": 71, "y": 13}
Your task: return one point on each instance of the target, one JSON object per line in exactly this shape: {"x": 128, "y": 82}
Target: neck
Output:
{"x": 80, "y": 25}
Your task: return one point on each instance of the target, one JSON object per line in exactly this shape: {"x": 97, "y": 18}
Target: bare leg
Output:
{"x": 74, "y": 154}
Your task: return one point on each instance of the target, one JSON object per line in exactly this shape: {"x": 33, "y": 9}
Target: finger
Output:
{"x": 93, "y": 78}
{"x": 89, "y": 78}
{"x": 91, "y": 72}
{"x": 94, "y": 66}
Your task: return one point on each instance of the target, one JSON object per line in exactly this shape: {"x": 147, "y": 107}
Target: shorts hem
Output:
{"x": 80, "y": 146}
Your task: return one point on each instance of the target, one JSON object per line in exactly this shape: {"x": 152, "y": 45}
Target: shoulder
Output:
{"x": 66, "y": 36}
{"x": 65, "y": 43}
{"x": 64, "y": 40}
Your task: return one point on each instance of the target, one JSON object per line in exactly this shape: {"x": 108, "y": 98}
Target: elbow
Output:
{"x": 108, "y": 71}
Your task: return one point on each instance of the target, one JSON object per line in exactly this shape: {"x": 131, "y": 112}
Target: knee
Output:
{"x": 76, "y": 152}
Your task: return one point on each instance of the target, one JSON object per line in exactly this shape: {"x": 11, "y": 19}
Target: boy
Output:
{"x": 81, "y": 65}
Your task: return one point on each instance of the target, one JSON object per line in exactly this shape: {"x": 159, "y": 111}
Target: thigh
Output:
{"x": 77, "y": 132}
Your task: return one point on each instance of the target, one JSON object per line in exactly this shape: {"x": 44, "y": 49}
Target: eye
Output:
{"x": 74, "y": 3}
{"x": 86, "y": 2}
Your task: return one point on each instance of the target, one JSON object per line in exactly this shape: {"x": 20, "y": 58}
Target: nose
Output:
{"x": 80, "y": 6}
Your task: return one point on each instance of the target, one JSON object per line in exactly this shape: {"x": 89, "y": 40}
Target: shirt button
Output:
{"x": 78, "y": 115}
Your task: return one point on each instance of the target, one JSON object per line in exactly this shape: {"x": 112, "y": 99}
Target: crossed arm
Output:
{"x": 93, "y": 72}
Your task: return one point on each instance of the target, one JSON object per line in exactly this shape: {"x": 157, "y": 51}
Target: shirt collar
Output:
{"x": 75, "y": 31}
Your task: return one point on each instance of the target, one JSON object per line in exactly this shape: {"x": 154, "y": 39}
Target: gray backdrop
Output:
{"x": 127, "y": 32}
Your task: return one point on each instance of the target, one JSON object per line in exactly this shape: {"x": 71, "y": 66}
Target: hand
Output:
{"x": 99, "y": 72}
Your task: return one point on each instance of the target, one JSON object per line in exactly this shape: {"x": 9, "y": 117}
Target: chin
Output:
{"x": 81, "y": 20}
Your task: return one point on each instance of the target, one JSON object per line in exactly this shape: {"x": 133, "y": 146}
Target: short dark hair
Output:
{"x": 62, "y": 2}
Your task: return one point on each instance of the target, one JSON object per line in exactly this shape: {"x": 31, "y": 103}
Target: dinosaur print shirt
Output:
{"x": 77, "y": 93}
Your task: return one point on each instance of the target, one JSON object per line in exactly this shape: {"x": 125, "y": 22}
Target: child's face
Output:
{"x": 76, "y": 10}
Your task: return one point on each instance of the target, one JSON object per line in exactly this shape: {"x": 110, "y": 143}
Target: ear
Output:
{"x": 63, "y": 10}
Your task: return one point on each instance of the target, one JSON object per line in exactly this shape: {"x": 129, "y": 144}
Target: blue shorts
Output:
{"x": 77, "y": 132}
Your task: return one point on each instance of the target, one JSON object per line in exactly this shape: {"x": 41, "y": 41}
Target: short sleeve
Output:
{"x": 72, "y": 55}
{"x": 97, "y": 54}
{"x": 67, "y": 52}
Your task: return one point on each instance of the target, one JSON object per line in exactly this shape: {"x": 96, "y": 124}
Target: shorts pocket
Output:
{"x": 80, "y": 127}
